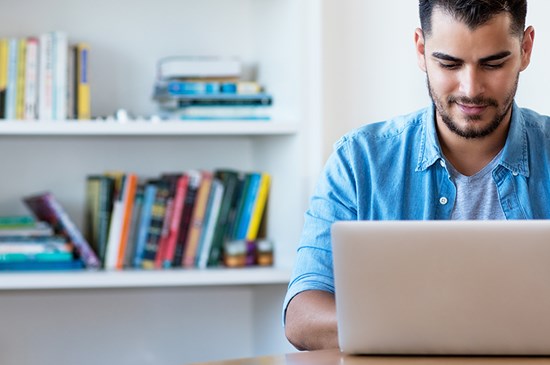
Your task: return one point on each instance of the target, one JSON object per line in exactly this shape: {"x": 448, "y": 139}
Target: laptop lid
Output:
{"x": 443, "y": 287}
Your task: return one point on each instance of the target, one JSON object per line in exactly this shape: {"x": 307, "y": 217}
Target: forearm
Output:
{"x": 311, "y": 321}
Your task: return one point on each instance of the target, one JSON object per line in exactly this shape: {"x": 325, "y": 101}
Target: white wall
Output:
{"x": 370, "y": 65}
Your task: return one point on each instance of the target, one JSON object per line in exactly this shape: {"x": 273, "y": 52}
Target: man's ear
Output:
{"x": 527, "y": 47}
{"x": 420, "y": 48}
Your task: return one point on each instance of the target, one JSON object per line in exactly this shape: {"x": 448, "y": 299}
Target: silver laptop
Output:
{"x": 443, "y": 287}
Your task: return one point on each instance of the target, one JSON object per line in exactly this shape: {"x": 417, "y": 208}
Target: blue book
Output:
{"x": 41, "y": 265}
{"x": 144, "y": 222}
{"x": 248, "y": 205}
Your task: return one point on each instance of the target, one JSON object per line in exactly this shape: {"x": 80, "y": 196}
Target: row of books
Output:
{"x": 208, "y": 88}
{"x": 194, "y": 219}
{"x": 44, "y": 78}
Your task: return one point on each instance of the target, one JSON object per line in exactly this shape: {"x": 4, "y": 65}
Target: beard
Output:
{"x": 470, "y": 132}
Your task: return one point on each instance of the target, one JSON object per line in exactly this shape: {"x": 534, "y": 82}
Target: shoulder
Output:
{"x": 396, "y": 130}
{"x": 535, "y": 123}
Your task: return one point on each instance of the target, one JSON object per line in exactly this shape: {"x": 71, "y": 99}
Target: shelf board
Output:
{"x": 145, "y": 128}
{"x": 143, "y": 278}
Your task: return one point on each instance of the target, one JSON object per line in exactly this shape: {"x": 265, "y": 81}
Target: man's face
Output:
{"x": 472, "y": 74}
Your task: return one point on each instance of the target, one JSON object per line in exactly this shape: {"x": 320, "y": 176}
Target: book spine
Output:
{"x": 45, "y": 77}
{"x": 83, "y": 101}
{"x": 210, "y": 222}
{"x": 188, "y": 206}
{"x": 60, "y": 76}
{"x": 248, "y": 205}
{"x": 197, "y": 220}
{"x": 20, "y": 89}
{"x": 144, "y": 222}
{"x": 47, "y": 208}
{"x": 171, "y": 241}
{"x": 31, "y": 79}
{"x": 11, "y": 89}
{"x": 258, "y": 209}
{"x": 3, "y": 75}
{"x": 128, "y": 204}
{"x": 154, "y": 234}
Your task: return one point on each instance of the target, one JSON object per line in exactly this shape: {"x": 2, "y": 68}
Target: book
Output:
{"x": 197, "y": 220}
{"x": 11, "y": 87}
{"x": 178, "y": 67}
{"x": 188, "y": 206}
{"x": 120, "y": 223}
{"x": 173, "y": 231}
{"x": 134, "y": 225}
{"x": 149, "y": 194}
{"x": 46, "y": 207}
{"x": 158, "y": 211}
{"x": 38, "y": 229}
{"x": 198, "y": 87}
{"x": 220, "y": 112}
{"x": 20, "y": 79}
{"x": 41, "y": 265}
{"x": 247, "y": 205}
{"x": 82, "y": 81}
{"x": 31, "y": 79}
{"x": 45, "y": 76}
{"x": 17, "y": 221}
{"x": 180, "y": 101}
{"x": 165, "y": 239}
{"x": 230, "y": 181}
{"x": 210, "y": 221}
{"x": 258, "y": 209}
{"x": 3, "y": 75}
{"x": 60, "y": 50}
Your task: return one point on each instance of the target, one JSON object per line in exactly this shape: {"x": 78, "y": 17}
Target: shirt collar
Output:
{"x": 514, "y": 154}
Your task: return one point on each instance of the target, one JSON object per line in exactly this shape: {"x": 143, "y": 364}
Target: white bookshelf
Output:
{"x": 173, "y": 316}
{"x": 144, "y": 279}
{"x": 146, "y": 128}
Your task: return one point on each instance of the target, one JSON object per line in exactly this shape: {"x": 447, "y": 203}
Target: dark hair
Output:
{"x": 474, "y": 13}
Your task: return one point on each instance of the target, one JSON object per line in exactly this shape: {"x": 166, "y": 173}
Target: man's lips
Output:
{"x": 471, "y": 109}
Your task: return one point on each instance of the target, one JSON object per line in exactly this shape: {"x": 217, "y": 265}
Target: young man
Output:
{"x": 473, "y": 154}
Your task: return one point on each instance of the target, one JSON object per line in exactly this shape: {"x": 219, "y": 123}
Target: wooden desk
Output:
{"x": 335, "y": 357}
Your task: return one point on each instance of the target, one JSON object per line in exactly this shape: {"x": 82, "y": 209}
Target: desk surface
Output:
{"x": 335, "y": 357}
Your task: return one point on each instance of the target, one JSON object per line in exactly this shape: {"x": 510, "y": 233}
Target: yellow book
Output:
{"x": 20, "y": 90}
{"x": 3, "y": 74}
{"x": 259, "y": 207}
{"x": 83, "y": 102}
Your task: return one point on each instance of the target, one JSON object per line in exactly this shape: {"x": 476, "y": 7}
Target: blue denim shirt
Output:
{"x": 394, "y": 170}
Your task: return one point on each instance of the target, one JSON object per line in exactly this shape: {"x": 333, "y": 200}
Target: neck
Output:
{"x": 468, "y": 156}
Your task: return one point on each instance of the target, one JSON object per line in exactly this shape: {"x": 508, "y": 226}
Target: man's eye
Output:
{"x": 449, "y": 66}
{"x": 491, "y": 66}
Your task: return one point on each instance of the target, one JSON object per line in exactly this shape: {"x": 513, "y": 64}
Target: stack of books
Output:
{"x": 191, "y": 219}
{"x": 44, "y": 77}
{"x": 207, "y": 88}
{"x": 27, "y": 244}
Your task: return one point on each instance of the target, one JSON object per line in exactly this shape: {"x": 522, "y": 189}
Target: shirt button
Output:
{"x": 443, "y": 200}
{"x": 442, "y": 163}
{"x": 515, "y": 173}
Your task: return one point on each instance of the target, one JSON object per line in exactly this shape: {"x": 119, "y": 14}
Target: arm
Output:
{"x": 311, "y": 321}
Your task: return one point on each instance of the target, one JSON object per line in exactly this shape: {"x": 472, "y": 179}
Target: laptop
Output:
{"x": 443, "y": 287}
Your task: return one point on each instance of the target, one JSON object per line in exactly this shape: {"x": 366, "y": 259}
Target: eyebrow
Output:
{"x": 495, "y": 57}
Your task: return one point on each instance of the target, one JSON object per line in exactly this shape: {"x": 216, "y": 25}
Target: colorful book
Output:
{"x": 149, "y": 194}
{"x": 230, "y": 181}
{"x": 258, "y": 209}
{"x": 130, "y": 187}
{"x": 247, "y": 205}
{"x": 61, "y": 48}
{"x": 162, "y": 252}
{"x": 134, "y": 226}
{"x": 174, "y": 227}
{"x": 210, "y": 221}
{"x": 156, "y": 224}
{"x": 20, "y": 88}
{"x": 188, "y": 206}
{"x": 46, "y": 76}
{"x": 31, "y": 80}
{"x": 82, "y": 94}
{"x": 45, "y": 207}
{"x": 197, "y": 220}
{"x": 41, "y": 265}
{"x": 3, "y": 75}
{"x": 11, "y": 87}
{"x": 177, "y": 67}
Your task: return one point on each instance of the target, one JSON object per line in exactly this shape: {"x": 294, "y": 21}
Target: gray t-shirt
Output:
{"x": 476, "y": 195}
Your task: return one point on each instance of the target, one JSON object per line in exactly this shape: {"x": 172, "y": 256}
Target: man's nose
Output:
{"x": 471, "y": 82}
